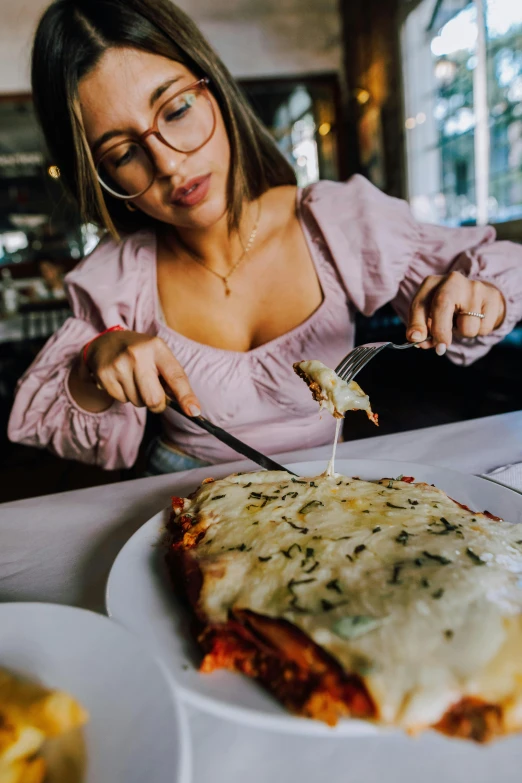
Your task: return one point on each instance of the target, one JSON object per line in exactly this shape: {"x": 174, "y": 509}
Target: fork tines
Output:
{"x": 354, "y": 362}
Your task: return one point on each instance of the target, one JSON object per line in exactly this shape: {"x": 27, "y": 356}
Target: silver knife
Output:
{"x": 230, "y": 440}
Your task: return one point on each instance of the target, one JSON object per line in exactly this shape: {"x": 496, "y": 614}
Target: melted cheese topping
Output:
{"x": 334, "y": 394}
{"x": 395, "y": 580}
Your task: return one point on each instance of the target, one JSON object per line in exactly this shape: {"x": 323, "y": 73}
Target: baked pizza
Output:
{"x": 331, "y": 392}
{"x": 386, "y": 601}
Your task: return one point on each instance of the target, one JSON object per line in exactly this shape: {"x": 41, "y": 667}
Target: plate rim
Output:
{"x": 288, "y": 722}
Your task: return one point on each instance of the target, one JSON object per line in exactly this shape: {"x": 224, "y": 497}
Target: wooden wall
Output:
{"x": 371, "y": 34}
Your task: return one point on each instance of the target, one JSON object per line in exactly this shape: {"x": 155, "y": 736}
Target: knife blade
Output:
{"x": 230, "y": 440}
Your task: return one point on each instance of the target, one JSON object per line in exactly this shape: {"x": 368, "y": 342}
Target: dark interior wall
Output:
{"x": 372, "y": 58}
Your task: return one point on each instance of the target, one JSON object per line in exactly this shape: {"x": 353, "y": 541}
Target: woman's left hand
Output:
{"x": 439, "y": 308}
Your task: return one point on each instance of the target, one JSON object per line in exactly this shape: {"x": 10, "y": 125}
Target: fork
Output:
{"x": 359, "y": 357}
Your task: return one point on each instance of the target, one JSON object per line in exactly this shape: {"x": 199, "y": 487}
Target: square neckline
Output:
{"x": 160, "y": 321}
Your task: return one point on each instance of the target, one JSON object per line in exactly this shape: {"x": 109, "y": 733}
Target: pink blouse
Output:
{"x": 367, "y": 250}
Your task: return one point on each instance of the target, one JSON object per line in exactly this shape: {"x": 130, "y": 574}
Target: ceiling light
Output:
{"x": 362, "y": 96}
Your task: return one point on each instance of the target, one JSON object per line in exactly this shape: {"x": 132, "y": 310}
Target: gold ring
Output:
{"x": 475, "y": 315}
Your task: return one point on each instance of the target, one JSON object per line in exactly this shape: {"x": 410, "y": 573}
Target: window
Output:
{"x": 301, "y": 114}
{"x": 463, "y": 101}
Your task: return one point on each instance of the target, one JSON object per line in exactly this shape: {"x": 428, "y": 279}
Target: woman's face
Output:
{"x": 120, "y": 97}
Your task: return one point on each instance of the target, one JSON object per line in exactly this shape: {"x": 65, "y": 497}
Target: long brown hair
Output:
{"x": 71, "y": 38}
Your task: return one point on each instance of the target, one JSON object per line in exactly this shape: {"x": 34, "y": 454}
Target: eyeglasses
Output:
{"x": 185, "y": 123}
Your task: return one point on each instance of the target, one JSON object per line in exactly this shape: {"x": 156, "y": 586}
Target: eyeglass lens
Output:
{"x": 185, "y": 123}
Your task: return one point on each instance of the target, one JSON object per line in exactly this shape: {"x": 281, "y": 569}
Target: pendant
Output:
{"x": 227, "y": 289}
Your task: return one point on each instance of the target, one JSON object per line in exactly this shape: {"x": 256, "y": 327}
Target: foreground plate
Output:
{"x": 136, "y": 731}
{"x": 139, "y": 596}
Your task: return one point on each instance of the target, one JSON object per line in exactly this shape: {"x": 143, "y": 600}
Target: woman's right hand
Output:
{"x": 128, "y": 366}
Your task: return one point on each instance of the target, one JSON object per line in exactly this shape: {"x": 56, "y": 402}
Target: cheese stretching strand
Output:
{"x": 331, "y": 392}
{"x": 330, "y": 469}
{"x": 386, "y": 600}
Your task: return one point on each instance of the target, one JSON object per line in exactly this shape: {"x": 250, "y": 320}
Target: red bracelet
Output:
{"x": 86, "y": 347}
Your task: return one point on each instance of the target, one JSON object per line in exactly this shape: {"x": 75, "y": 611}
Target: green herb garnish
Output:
{"x": 295, "y": 606}
{"x": 447, "y": 527}
{"x": 326, "y": 605}
{"x": 334, "y": 585}
{"x": 287, "y": 552}
{"x": 310, "y": 505}
{"x": 439, "y": 558}
{"x": 296, "y": 527}
{"x": 403, "y": 537}
{"x": 474, "y": 558}
{"x": 296, "y": 582}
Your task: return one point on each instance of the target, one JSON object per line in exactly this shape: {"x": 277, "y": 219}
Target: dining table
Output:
{"x": 60, "y": 549}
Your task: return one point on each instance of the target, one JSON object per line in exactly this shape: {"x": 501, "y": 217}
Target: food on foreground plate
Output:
{"x": 30, "y": 717}
{"x": 387, "y": 601}
{"x": 331, "y": 392}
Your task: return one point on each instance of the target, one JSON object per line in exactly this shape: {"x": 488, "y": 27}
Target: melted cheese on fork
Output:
{"x": 333, "y": 394}
{"x": 400, "y": 584}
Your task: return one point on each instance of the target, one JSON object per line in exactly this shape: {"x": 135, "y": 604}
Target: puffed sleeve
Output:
{"x": 383, "y": 255}
{"x": 106, "y": 289}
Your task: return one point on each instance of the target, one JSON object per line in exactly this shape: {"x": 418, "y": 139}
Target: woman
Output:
{"x": 225, "y": 273}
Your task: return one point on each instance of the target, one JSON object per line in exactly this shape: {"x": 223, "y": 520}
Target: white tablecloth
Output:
{"x": 60, "y": 549}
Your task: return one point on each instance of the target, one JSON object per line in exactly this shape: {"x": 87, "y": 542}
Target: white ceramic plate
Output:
{"x": 137, "y": 731}
{"x": 139, "y": 596}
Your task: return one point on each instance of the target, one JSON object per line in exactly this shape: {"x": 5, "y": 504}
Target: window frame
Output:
{"x": 509, "y": 229}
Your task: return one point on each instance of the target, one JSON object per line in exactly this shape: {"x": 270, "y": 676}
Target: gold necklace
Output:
{"x": 244, "y": 254}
